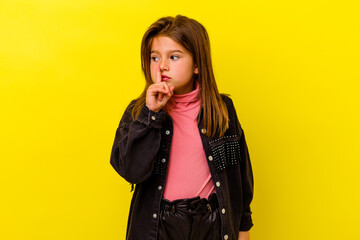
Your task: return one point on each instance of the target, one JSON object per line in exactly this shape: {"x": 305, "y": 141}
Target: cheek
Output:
{"x": 188, "y": 70}
{"x": 187, "y": 67}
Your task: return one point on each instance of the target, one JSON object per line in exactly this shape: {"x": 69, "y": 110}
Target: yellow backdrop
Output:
{"x": 68, "y": 68}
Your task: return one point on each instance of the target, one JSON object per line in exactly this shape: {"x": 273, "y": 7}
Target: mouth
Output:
{"x": 164, "y": 78}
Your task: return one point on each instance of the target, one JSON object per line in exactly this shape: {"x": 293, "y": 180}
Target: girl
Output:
{"x": 182, "y": 145}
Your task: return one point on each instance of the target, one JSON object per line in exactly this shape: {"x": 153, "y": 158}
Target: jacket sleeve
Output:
{"x": 136, "y": 144}
{"x": 246, "y": 178}
{"x": 247, "y": 184}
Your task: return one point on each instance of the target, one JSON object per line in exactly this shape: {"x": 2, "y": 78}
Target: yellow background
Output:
{"x": 68, "y": 68}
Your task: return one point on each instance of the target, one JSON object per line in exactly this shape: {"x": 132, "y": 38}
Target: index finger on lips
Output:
{"x": 158, "y": 74}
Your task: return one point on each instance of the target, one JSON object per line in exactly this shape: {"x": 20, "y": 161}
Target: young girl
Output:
{"x": 182, "y": 145}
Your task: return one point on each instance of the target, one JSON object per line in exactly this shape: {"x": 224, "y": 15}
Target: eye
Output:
{"x": 174, "y": 57}
{"x": 154, "y": 58}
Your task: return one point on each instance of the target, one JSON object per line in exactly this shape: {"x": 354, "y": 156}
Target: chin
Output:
{"x": 170, "y": 84}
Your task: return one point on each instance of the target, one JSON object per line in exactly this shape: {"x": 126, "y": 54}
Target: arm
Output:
{"x": 246, "y": 179}
{"x": 247, "y": 183}
{"x": 136, "y": 144}
{"x": 137, "y": 141}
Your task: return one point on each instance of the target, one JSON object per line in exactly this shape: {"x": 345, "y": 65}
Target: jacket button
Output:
{"x": 217, "y": 184}
{"x": 153, "y": 117}
{"x": 154, "y": 215}
{"x": 159, "y": 187}
{"x": 203, "y": 131}
{"x": 163, "y": 160}
{"x": 167, "y": 132}
{"x": 223, "y": 211}
{"x": 210, "y": 158}
{"x": 226, "y": 237}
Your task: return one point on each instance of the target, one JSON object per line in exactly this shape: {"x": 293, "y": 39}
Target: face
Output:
{"x": 176, "y": 64}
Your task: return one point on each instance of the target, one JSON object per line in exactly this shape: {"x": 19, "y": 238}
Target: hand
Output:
{"x": 158, "y": 93}
{"x": 244, "y": 235}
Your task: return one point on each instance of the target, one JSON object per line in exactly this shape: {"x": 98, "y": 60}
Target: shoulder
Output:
{"x": 228, "y": 101}
{"x": 127, "y": 114}
{"x": 231, "y": 109}
{"x": 132, "y": 104}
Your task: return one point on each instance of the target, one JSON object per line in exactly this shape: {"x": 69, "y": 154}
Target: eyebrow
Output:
{"x": 170, "y": 51}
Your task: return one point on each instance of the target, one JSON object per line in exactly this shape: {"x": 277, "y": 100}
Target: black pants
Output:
{"x": 190, "y": 219}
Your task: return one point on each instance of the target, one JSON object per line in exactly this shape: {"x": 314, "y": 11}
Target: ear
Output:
{"x": 196, "y": 70}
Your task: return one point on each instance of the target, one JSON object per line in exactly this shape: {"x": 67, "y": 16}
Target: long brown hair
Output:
{"x": 193, "y": 36}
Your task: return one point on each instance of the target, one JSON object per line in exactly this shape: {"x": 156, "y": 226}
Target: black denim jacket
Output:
{"x": 140, "y": 155}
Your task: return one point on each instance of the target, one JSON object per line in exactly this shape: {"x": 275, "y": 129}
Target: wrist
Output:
{"x": 151, "y": 118}
{"x": 153, "y": 109}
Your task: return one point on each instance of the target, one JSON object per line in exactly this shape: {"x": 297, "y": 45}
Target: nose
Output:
{"x": 164, "y": 65}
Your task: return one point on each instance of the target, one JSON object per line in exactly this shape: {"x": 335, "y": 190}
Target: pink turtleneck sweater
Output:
{"x": 188, "y": 174}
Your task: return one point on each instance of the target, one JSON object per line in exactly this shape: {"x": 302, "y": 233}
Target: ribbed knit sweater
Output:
{"x": 188, "y": 174}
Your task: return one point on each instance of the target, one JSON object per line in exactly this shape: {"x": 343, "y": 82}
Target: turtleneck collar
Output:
{"x": 186, "y": 101}
{"x": 192, "y": 96}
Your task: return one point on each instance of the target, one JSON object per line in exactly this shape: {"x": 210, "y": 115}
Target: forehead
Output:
{"x": 166, "y": 44}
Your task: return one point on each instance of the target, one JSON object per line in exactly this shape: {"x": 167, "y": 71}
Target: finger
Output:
{"x": 163, "y": 85}
{"x": 167, "y": 88}
{"x": 157, "y": 89}
{"x": 172, "y": 90}
{"x": 160, "y": 96}
{"x": 158, "y": 74}
{"x": 154, "y": 90}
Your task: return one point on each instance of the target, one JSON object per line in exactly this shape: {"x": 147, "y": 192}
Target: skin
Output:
{"x": 173, "y": 60}
{"x": 244, "y": 235}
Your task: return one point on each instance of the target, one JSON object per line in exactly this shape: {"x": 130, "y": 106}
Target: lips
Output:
{"x": 164, "y": 78}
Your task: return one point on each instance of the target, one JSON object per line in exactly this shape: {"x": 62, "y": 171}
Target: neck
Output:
{"x": 186, "y": 89}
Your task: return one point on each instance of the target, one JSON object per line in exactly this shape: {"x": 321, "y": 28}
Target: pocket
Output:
{"x": 225, "y": 151}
